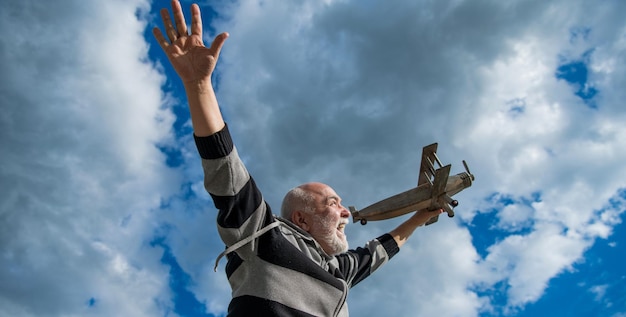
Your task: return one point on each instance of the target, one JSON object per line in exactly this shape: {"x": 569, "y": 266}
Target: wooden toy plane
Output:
{"x": 434, "y": 190}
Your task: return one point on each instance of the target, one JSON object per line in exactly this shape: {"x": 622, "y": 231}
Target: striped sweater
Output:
{"x": 283, "y": 271}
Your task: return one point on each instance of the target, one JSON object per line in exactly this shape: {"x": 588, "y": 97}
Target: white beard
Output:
{"x": 330, "y": 236}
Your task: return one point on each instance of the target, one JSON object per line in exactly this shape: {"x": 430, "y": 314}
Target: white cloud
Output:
{"x": 529, "y": 262}
{"x": 81, "y": 176}
{"x": 599, "y": 291}
{"x": 430, "y": 276}
{"x": 515, "y": 217}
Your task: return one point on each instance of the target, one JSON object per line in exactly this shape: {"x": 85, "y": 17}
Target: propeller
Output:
{"x": 467, "y": 170}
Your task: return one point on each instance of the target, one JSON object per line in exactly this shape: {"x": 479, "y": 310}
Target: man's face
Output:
{"x": 328, "y": 219}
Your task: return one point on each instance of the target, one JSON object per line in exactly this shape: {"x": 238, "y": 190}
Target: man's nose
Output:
{"x": 344, "y": 212}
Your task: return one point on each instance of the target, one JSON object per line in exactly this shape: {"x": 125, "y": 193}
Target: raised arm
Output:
{"x": 404, "y": 230}
{"x": 195, "y": 64}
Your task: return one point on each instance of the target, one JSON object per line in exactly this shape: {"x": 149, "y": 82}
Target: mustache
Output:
{"x": 342, "y": 223}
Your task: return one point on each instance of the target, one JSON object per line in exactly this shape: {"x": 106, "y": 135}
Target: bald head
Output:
{"x": 300, "y": 198}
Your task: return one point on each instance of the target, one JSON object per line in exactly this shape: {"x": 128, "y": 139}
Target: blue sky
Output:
{"x": 102, "y": 208}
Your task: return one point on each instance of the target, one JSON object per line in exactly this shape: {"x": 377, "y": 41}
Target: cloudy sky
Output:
{"x": 102, "y": 210}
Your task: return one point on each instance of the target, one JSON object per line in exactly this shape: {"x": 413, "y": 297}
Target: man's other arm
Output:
{"x": 402, "y": 233}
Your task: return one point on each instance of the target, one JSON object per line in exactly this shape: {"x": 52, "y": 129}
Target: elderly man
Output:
{"x": 295, "y": 265}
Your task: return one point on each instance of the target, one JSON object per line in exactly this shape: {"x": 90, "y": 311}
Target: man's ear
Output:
{"x": 299, "y": 219}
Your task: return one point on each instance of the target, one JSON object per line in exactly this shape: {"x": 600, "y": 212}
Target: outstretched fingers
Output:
{"x": 160, "y": 38}
{"x": 196, "y": 20}
{"x": 169, "y": 27}
{"x": 218, "y": 42}
{"x": 178, "y": 31}
{"x": 179, "y": 18}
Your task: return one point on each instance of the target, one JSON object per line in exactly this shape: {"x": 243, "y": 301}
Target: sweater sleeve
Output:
{"x": 358, "y": 264}
{"x": 241, "y": 207}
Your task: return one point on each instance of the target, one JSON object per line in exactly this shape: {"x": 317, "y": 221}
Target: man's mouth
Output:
{"x": 341, "y": 226}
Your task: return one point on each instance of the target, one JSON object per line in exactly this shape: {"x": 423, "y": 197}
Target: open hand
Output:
{"x": 193, "y": 62}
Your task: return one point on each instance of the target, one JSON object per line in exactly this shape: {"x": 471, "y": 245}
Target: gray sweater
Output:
{"x": 275, "y": 268}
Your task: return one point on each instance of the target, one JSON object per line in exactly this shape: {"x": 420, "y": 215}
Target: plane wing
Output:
{"x": 436, "y": 176}
{"x": 439, "y": 190}
{"x": 439, "y": 183}
{"x": 427, "y": 168}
